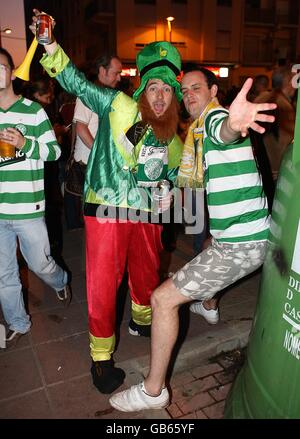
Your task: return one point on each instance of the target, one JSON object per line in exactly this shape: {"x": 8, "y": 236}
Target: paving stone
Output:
{"x": 31, "y": 406}
{"x": 199, "y": 386}
{"x": 69, "y": 403}
{"x": 220, "y": 393}
{"x": 201, "y": 415}
{"x": 64, "y": 359}
{"x": 19, "y": 373}
{"x": 189, "y": 416}
{"x": 225, "y": 377}
{"x": 115, "y": 414}
{"x": 182, "y": 378}
{"x": 208, "y": 369}
{"x": 178, "y": 393}
{"x": 174, "y": 411}
{"x": 215, "y": 411}
{"x": 59, "y": 322}
{"x": 188, "y": 405}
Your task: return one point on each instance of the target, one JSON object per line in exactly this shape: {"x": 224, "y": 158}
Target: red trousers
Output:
{"x": 109, "y": 247}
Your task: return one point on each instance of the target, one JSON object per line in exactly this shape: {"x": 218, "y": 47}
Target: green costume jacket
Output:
{"x": 110, "y": 179}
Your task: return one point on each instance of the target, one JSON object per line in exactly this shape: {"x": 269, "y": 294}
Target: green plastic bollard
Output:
{"x": 268, "y": 385}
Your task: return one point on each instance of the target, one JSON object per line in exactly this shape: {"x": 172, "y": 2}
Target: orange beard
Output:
{"x": 164, "y": 126}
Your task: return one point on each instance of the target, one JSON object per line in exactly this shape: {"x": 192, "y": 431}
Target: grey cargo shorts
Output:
{"x": 217, "y": 267}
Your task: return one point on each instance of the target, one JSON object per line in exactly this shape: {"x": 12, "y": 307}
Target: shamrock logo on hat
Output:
{"x": 163, "y": 52}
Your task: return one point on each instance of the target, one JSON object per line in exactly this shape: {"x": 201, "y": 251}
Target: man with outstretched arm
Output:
{"x": 238, "y": 220}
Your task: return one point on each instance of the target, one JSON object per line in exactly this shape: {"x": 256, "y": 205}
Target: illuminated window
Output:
{"x": 220, "y": 72}
{"x": 223, "y": 72}
{"x": 129, "y": 72}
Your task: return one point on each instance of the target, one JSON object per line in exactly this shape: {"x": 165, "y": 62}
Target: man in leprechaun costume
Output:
{"x": 135, "y": 148}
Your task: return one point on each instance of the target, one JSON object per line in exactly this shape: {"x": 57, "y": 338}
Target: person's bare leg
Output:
{"x": 165, "y": 302}
{"x": 209, "y": 303}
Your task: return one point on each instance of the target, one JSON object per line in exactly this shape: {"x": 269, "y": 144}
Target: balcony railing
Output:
{"x": 100, "y": 8}
{"x": 261, "y": 16}
{"x": 271, "y": 16}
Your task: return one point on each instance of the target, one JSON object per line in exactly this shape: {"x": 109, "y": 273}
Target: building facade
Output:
{"x": 12, "y": 18}
{"x": 249, "y": 37}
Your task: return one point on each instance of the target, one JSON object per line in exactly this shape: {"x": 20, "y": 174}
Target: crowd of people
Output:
{"x": 230, "y": 148}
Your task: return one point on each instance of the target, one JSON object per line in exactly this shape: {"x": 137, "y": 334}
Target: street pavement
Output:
{"x": 47, "y": 374}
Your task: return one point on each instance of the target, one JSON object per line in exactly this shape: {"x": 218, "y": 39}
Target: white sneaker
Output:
{"x": 210, "y": 315}
{"x": 135, "y": 399}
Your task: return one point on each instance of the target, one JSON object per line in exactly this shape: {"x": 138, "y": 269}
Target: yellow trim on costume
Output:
{"x": 102, "y": 348}
{"x": 120, "y": 121}
{"x": 141, "y": 314}
{"x": 54, "y": 64}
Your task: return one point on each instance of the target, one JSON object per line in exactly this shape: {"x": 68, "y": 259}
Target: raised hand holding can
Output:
{"x": 44, "y": 27}
{"x": 161, "y": 192}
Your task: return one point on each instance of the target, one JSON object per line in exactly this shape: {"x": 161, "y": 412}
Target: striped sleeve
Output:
{"x": 213, "y": 123}
{"x": 41, "y": 143}
{"x": 22, "y": 176}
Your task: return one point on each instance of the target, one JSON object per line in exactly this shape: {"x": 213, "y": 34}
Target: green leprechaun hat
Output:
{"x": 159, "y": 60}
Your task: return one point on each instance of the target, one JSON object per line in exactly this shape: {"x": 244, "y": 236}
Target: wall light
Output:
{"x": 6, "y": 30}
{"x": 169, "y": 20}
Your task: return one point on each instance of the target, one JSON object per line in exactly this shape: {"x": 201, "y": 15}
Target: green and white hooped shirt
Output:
{"x": 22, "y": 177}
{"x": 238, "y": 209}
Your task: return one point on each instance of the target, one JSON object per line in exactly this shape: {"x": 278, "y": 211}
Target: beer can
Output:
{"x": 44, "y": 29}
{"x": 164, "y": 188}
{"x": 161, "y": 191}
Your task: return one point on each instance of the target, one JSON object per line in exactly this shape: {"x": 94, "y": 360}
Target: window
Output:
{"x": 253, "y": 4}
{"x": 258, "y": 49}
{"x": 224, "y": 2}
{"x": 223, "y": 43}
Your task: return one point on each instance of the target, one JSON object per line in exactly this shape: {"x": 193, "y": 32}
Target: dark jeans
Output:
{"x": 73, "y": 211}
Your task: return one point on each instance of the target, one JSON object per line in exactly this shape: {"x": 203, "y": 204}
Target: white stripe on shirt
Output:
{"x": 236, "y": 208}
{"x": 233, "y": 182}
{"x": 22, "y": 208}
{"x": 15, "y": 187}
{"x": 229, "y": 155}
{"x": 242, "y": 229}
